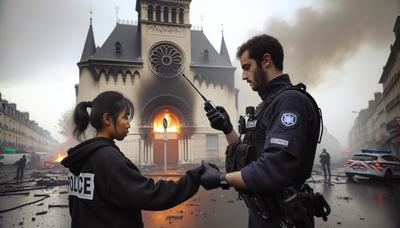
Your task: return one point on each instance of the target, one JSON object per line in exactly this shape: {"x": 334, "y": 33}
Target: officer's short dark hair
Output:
{"x": 261, "y": 44}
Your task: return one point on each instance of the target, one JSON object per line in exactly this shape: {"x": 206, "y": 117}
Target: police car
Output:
{"x": 373, "y": 163}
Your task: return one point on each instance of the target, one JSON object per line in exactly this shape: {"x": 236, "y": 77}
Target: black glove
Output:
{"x": 219, "y": 119}
{"x": 210, "y": 178}
{"x": 196, "y": 173}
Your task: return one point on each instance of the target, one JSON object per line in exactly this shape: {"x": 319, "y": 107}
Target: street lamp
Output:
{"x": 165, "y": 125}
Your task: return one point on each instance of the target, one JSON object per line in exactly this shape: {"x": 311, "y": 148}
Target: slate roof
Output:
{"x": 127, "y": 36}
{"x": 200, "y": 46}
{"x": 203, "y": 53}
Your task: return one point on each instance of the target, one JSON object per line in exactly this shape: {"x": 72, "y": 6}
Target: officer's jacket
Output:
{"x": 107, "y": 190}
{"x": 289, "y": 130}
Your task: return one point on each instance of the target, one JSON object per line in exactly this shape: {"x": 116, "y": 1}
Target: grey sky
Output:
{"x": 337, "y": 47}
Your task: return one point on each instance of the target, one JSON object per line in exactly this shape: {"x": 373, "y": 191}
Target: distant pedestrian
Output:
{"x": 325, "y": 160}
{"x": 20, "y": 168}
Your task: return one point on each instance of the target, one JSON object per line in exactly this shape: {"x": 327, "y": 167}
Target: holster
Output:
{"x": 316, "y": 203}
{"x": 293, "y": 204}
{"x": 238, "y": 155}
{"x": 297, "y": 203}
{"x": 263, "y": 206}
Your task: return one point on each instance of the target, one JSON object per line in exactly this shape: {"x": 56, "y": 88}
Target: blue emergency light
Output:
{"x": 381, "y": 151}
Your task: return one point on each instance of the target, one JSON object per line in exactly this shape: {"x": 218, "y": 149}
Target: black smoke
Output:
{"x": 324, "y": 38}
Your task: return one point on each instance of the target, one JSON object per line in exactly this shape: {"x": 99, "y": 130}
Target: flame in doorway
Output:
{"x": 173, "y": 123}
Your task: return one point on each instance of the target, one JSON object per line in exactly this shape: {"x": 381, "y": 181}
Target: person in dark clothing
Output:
{"x": 325, "y": 160}
{"x": 20, "y": 168}
{"x": 105, "y": 188}
{"x": 284, "y": 130}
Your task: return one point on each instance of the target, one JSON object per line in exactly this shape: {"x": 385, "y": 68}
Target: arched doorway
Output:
{"x": 170, "y": 137}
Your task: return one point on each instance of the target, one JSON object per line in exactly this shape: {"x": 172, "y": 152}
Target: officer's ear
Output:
{"x": 267, "y": 60}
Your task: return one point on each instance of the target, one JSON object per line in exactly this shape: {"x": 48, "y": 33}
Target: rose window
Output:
{"x": 166, "y": 60}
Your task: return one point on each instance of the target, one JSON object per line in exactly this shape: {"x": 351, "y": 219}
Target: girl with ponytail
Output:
{"x": 105, "y": 188}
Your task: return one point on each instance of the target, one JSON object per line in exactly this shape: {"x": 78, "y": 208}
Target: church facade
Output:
{"x": 145, "y": 62}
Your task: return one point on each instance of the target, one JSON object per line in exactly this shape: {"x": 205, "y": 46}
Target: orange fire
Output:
{"x": 60, "y": 156}
{"x": 173, "y": 123}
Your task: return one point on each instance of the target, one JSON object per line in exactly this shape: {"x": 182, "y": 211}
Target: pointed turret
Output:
{"x": 224, "y": 51}
{"x": 90, "y": 47}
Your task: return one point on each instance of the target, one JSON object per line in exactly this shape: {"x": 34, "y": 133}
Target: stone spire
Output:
{"x": 90, "y": 47}
{"x": 224, "y": 51}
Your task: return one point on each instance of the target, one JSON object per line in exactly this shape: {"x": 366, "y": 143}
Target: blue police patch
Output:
{"x": 288, "y": 119}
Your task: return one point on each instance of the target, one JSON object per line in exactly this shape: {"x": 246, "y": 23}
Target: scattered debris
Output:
{"x": 14, "y": 194}
{"x": 25, "y": 204}
{"x": 347, "y": 198}
{"x": 193, "y": 205}
{"x": 51, "y": 182}
{"x": 169, "y": 217}
{"x": 22, "y": 189}
{"x": 40, "y": 195}
{"x": 41, "y": 213}
{"x": 37, "y": 175}
{"x": 58, "y": 205}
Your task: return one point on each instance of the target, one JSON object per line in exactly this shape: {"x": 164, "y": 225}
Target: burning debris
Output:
{"x": 59, "y": 157}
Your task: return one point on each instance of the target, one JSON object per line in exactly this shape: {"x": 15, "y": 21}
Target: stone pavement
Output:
{"x": 42, "y": 202}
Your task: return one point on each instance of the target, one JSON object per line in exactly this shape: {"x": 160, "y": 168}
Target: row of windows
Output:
{"x": 20, "y": 123}
{"x": 13, "y": 112}
{"x": 166, "y": 13}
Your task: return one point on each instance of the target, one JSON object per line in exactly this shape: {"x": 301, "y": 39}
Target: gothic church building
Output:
{"x": 145, "y": 62}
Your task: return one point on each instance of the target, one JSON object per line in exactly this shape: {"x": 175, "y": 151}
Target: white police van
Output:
{"x": 373, "y": 163}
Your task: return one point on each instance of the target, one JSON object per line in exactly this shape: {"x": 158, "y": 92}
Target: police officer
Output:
{"x": 20, "y": 168}
{"x": 284, "y": 132}
{"x": 325, "y": 160}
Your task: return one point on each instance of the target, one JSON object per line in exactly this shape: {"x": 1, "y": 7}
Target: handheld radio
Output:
{"x": 207, "y": 103}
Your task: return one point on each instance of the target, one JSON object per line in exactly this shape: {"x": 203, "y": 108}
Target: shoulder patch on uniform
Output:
{"x": 278, "y": 141}
{"x": 288, "y": 119}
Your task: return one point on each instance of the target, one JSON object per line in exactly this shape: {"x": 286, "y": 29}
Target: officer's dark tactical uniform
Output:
{"x": 284, "y": 131}
{"x": 325, "y": 160}
{"x": 20, "y": 168}
{"x": 107, "y": 190}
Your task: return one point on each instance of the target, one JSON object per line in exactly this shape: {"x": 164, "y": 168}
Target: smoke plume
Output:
{"x": 324, "y": 39}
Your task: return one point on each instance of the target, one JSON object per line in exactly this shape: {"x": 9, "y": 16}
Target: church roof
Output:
{"x": 128, "y": 40}
{"x": 204, "y": 54}
{"x": 90, "y": 46}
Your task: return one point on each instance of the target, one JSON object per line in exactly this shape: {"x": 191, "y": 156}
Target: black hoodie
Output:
{"x": 107, "y": 190}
